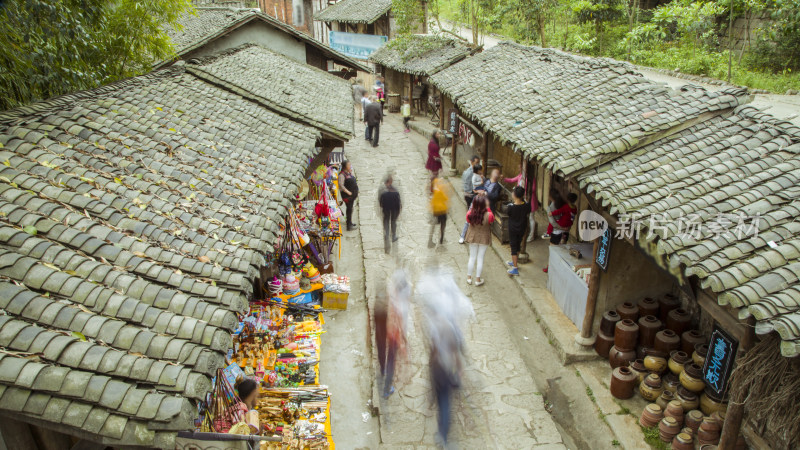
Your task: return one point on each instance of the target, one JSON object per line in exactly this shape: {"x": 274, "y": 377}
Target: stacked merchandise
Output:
{"x": 278, "y": 346}
{"x": 336, "y": 291}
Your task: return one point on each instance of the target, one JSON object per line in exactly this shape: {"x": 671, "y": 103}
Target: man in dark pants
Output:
{"x": 389, "y": 201}
{"x": 373, "y": 115}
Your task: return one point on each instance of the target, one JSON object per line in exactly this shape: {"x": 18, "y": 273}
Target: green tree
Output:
{"x": 600, "y": 13}
{"x": 532, "y": 15}
{"x": 778, "y": 47}
{"x": 53, "y": 47}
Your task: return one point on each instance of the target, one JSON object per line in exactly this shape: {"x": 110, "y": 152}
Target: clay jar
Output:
{"x": 651, "y": 388}
{"x": 603, "y": 343}
{"x": 709, "y": 431}
{"x": 655, "y": 362}
{"x": 675, "y": 411}
{"x": 693, "y": 419}
{"x": 638, "y": 368}
{"x": 664, "y": 399}
{"x": 620, "y": 358}
{"x": 699, "y": 355}
{"x": 679, "y": 320}
{"x": 608, "y": 322}
{"x": 626, "y": 335}
{"x": 648, "y": 307}
{"x": 666, "y": 304}
{"x": 692, "y": 377}
{"x": 667, "y": 341}
{"x": 668, "y": 428}
{"x": 671, "y": 383}
{"x": 691, "y": 338}
{"x": 623, "y": 381}
{"x": 628, "y": 311}
{"x": 683, "y": 441}
{"x": 676, "y": 361}
{"x": 688, "y": 399}
{"x": 648, "y": 327}
{"x": 651, "y": 415}
{"x": 710, "y": 404}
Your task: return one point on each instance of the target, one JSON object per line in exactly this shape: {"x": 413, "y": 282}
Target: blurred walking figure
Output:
{"x": 439, "y": 206}
{"x": 373, "y": 116}
{"x": 446, "y": 309}
{"x": 398, "y": 293}
{"x": 358, "y": 94}
{"x": 348, "y": 186}
{"x": 434, "y": 163}
{"x": 389, "y": 201}
{"x": 479, "y": 235}
{"x": 405, "y": 110}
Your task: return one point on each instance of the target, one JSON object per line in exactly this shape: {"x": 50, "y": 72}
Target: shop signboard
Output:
{"x": 719, "y": 360}
{"x": 356, "y": 45}
{"x": 453, "y": 124}
{"x": 604, "y": 251}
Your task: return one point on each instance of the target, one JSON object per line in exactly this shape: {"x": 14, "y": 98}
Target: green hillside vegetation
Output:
{"x": 684, "y": 35}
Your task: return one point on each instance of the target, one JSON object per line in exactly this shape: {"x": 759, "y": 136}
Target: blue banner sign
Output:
{"x": 719, "y": 360}
{"x": 603, "y": 252}
{"x": 356, "y": 45}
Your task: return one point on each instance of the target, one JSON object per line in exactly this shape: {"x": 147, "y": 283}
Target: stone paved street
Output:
{"x": 500, "y": 406}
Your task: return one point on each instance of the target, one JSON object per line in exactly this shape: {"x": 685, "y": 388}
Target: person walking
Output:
{"x": 389, "y": 201}
{"x": 439, "y": 206}
{"x": 405, "y": 110}
{"x": 446, "y": 368}
{"x": 434, "y": 163}
{"x": 364, "y": 102}
{"x": 373, "y": 116}
{"x": 358, "y": 94}
{"x": 468, "y": 187}
{"x": 398, "y": 293}
{"x": 479, "y": 235}
{"x": 348, "y": 188}
{"x": 518, "y": 212}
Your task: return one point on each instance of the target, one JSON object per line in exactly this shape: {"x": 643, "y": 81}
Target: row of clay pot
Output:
{"x": 671, "y": 423}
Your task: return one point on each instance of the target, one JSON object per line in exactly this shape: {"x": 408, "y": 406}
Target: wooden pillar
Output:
{"x": 16, "y": 434}
{"x": 585, "y": 337}
{"x": 735, "y": 414}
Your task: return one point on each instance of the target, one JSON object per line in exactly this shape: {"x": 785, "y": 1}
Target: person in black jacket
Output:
{"x": 389, "y": 201}
{"x": 348, "y": 187}
{"x": 373, "y": 116}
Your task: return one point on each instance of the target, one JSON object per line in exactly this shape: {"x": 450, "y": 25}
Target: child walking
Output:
{"x": 518, "y": 212}
{"x": 406, "y": 111}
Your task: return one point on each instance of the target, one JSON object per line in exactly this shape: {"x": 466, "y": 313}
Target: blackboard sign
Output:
{"x": 719, "y": 360}
{"x": 453, "y": 125}
{"x": 603, "y": 253}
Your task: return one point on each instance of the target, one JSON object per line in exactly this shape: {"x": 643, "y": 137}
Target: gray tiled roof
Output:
{"x": 421, "y": 54}
{"x": 283, "y": 85}
{"x": 568, "y": 112}
{"x": 203, "y": 25}
{"x": 711, "y": 174}
{"x": 133, "y": 221}
{"x": 354, "y": 11}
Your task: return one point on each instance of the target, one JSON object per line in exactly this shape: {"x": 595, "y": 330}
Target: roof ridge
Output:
{"x": 751, "y": 112}
{"x": 17, "y": 114}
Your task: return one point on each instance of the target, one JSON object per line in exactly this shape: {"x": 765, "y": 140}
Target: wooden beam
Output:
{"x": 721, "y": 315}
{"x": 319, "y": 159}
{"x": 16, "y": 434}
{"x": 591, "y": 298}
{"x": 49, "y": 439}
{"x": 83, "y": 444}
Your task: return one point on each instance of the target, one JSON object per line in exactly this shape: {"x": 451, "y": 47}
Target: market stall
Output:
{"x": 568, "y": 272}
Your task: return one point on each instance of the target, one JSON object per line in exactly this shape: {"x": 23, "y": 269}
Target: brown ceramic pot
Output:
{"x": 667, "y": 341}
{"x": 603, "y": 343}
{"x": 676, "y": 361}
{"x": 620, "y": 358}
{"x": 626, "y": 335}
{"x": 664, "y": 399}
{"x": 683, "y": 441}
{"x": 671, "y": 382}
{"x": 719, "y": 417}
{"x": 638, "y": 368}
{"x": 689, "y": 339}
{"x": 666, "y": 304}
{"x": 651, "y": 388}
{"x": 648, "y": 327}
{"x": 699, "y": 355}
{"x": 608, "y": 322}
{"x": 692, "y": 378}
{"x": 688, "y": 399}
{"x": 648, "y": 307}
{"x": 651, "y": 415}
{"x": 678, "y": 320}
{"x": 641, "y": 352}
{"x": 668, "y": 428}
{"x": 674, "y": 410}
{"x": 623, "y": 381}
{"x": 711, "y": 403}
{"x": 693, "y": 419}
{"x": 628, "y": 311}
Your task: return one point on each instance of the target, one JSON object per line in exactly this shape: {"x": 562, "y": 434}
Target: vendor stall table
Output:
{"x": 568, "y": 289}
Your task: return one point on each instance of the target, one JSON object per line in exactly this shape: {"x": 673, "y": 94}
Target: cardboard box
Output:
{"x": 334, "y": 300}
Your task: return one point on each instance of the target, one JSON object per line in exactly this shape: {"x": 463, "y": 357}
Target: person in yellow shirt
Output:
{"x": 439, "y": 206}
